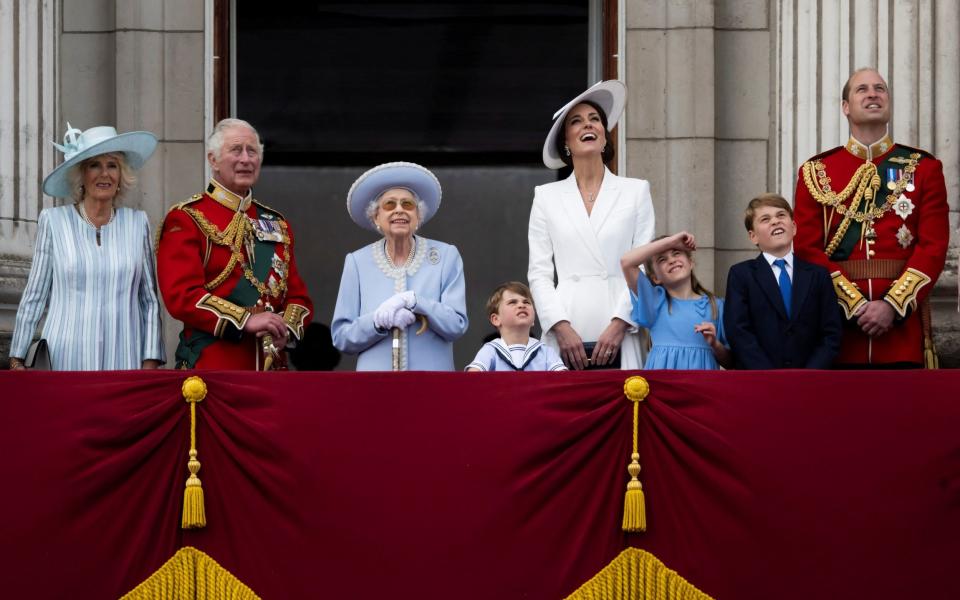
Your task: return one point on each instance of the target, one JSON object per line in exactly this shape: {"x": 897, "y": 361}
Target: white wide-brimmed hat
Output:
{"x": 410, "y": 176}
{"x": 609, "y": 95}
{"x": 137, "y": 146}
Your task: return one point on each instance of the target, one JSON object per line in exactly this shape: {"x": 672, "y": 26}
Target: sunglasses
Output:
{"x": 391, "y": 204}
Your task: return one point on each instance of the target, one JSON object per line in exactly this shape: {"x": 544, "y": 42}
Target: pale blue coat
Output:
{"x": 101, "y": 301}
{"x": 435, "y": 274}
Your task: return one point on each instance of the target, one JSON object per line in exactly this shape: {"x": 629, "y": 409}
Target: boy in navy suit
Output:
{"x": 781, "y": 312}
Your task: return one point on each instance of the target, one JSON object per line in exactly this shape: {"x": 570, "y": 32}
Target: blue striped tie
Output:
{"x": 785, "y": 285}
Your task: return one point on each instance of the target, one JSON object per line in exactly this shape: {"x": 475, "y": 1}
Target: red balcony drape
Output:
{"x": 758, "y": 485}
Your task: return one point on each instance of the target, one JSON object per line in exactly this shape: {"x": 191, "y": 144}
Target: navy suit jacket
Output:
{"x": 763, "y": 336}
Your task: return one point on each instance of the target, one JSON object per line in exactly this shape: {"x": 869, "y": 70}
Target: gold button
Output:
{"x": 909, "y": 279}
{"x": 851, "y": 294}
{"x": 897, "y": 292}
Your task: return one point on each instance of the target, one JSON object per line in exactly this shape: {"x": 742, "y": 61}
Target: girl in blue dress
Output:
{"x": 684, "y": 318}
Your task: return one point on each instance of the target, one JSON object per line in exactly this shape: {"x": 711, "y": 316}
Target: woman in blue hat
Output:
{"x": 93, "y": 264}
{"x": 401, "y": 302}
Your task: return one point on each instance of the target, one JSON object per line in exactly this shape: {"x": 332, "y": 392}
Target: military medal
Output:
{"x": 904, "y": 236}
{"x": 893, "y": 175}
{"x": 903, "y": 207}
{"x": 266, "y": 229}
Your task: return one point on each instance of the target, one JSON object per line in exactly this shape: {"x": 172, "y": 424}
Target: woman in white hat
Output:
{"x": 403, "y": 290}
{"x": 93, "y": 265}
{"x": 579, "y": 229}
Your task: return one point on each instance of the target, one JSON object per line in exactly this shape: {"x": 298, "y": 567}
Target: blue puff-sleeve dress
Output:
{"x": 675, "y": 344}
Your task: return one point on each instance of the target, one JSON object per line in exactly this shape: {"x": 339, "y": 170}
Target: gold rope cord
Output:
{"x": 188, "y": 575}
{"x": 637, "y": 575}
{"x": 635, "y": 389}
{"x": 233, "y": 236}
{"x": 194, "y": 516}
{"x": 866, "y": 175}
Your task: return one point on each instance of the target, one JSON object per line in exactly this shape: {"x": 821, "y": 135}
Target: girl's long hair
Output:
{"x": 694, "y": 283}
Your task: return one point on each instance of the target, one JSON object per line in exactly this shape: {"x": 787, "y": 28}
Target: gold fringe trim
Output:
{"x": 637, "y": 575}
{"x": 188, "y": 575}
{"x": 194, "y": 517}
{"x": 635, "y": 389}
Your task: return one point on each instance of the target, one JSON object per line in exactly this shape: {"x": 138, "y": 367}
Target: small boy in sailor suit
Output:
{"x": 512, "y": 313}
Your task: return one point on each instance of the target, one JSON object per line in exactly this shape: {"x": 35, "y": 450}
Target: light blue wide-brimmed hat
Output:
{"x": 420, "y": 181}
{"x": 609, "y": 95}
{"x": 137, "y": 146}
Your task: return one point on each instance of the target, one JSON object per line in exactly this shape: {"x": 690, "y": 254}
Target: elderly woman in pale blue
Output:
{"x": 93, "y": 264}
{"x": 402, "y": 290}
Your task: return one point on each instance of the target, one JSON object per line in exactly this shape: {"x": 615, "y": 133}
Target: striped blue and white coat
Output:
{"x": 100, "y": 300}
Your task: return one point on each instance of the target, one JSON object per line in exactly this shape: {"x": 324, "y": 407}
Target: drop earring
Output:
{"x": 566, "y": 150}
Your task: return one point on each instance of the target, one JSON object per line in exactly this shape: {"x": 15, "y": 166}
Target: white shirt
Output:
{"x": 788, "y": 258}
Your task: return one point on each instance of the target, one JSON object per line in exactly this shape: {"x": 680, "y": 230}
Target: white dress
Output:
{"x": 584, "y": 251}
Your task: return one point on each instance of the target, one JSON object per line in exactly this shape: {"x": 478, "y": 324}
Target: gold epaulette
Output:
{"x": 190, "y": 200}
{"x": 902, "y": 295}
{"x": 849, "y": 296}
{"x": 178, "y": 206}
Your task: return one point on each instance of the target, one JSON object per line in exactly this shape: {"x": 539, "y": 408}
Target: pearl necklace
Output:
{"x": 85, "y": 217}
{"x": 413, "y": 250}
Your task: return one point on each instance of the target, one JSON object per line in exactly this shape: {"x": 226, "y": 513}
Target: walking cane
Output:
{"x": 396, "y": 348}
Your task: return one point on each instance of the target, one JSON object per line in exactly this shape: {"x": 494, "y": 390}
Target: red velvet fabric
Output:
{"x": 507, "y": 485}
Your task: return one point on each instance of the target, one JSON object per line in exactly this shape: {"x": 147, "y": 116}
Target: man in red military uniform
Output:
{"x": 875, "y": 214}
{"x": 226, "y": 267}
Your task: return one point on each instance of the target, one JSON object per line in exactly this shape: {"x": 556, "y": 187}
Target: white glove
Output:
{"x": 383, "y": 316}
{"x": 404, "y": 318}
{"x": 409, "y": 299}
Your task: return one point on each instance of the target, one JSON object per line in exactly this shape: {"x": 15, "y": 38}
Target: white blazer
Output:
{"x": 584, "y": 251}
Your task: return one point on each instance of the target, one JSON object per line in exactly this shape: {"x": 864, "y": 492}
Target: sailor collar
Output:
{"x": 861, "y": 150}
{"x": 227, "y": 198}
{"x": 503, "y": 349}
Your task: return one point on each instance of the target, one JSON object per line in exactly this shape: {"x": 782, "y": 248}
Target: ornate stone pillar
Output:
{"x": 28, "y": 50}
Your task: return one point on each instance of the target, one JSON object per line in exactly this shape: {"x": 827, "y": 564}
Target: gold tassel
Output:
{"x": 194, "y": 517}
{"x": 635, "y": 389}
{"x": 930, "y": 358}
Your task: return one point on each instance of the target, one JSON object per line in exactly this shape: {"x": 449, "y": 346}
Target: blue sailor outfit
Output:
{"x": 532, "y": 356}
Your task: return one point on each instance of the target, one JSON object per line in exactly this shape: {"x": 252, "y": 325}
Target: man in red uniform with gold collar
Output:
{"x": 875, "y": 214}
{"x": 226, "y": 268}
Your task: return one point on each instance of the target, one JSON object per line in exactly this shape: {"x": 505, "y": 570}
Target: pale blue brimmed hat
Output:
{"x": 136, "y": 146}
{"x": 610, "y": 95}
{"x": 368, "y": 187}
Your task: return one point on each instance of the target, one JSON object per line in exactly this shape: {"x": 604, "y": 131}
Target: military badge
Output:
{"x": 434, "y": 256}
{"x": 903, "y": 207}
{"x": 278, "y": 267}
{"x": 266, "y": 229}
{"x": 904, "y": 236}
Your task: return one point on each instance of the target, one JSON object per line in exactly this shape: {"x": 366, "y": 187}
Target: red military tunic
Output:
{"x": 891, "y": 246}
{"x": 208, "y": 281}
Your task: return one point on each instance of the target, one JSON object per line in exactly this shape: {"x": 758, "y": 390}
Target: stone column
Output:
{"x": 28, "y": 48}
{"x": 698, "y": 119}
{"x": 670, "y": 121}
